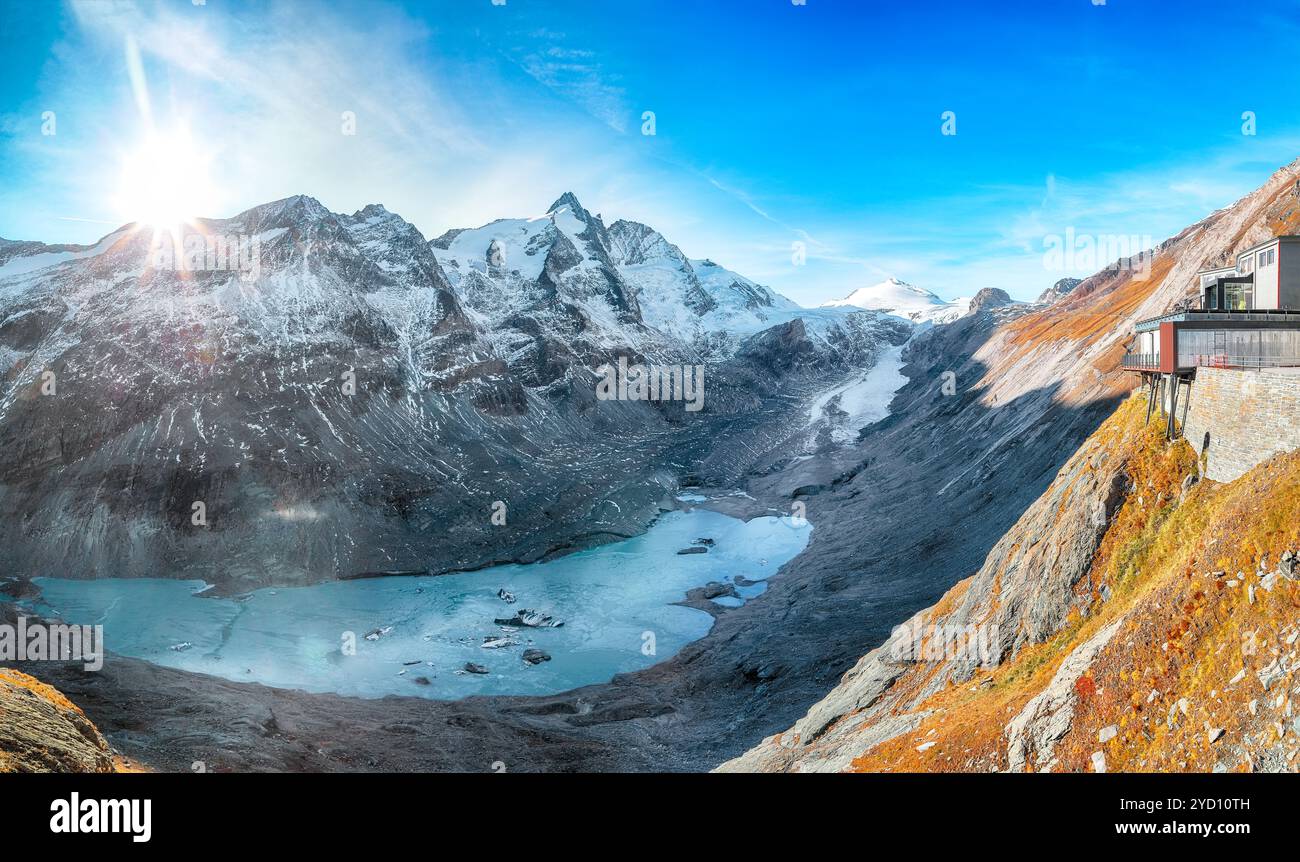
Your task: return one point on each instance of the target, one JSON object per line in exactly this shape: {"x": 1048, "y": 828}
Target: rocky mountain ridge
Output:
{"x": 354, "y": 398}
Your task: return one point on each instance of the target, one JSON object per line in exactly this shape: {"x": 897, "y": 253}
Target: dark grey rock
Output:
{"x": 714, "y": 589}
{"x": 989, "y": 298}
{"x": 1064, "y": 287}
{"x": 535, "y": 656}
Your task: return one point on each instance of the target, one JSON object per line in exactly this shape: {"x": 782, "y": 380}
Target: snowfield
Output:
{"x": 904, "y": 300}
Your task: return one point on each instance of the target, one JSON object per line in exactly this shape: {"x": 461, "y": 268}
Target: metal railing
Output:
{"x": 1257, "y": 315}
{"x": 1226, "y": 360}
{"x": 1151, "y": 361}
{"x": 1268, "y": 315}
{"x": 1141, "y": 361}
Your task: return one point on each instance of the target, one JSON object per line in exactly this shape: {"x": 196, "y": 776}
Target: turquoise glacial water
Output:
{"x": 616, "y": 602}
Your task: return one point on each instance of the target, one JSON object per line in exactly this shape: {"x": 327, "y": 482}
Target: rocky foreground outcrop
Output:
{"x": 1135, "y": 618}
{"x": 42, "y": 731}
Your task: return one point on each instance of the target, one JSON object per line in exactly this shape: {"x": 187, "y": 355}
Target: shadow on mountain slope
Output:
{"x": 910, "y": 509}
{"x": 899, "y": 517}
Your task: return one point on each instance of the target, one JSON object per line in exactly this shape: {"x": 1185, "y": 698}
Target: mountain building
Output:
{"x": 1244, "y": 316}
{"x": 1239, "y": 340}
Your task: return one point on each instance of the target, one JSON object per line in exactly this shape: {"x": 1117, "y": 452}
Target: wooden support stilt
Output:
{"x": 1150, "y": 381}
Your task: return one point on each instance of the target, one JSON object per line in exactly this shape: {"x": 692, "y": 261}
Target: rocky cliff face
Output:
{"x": 1020, "y": 596}
{"x": 1131, "y": 619}
{"x": 1063, "y": 287}
{"x": 989, "y": 297}
{"x": 42, "y": 731}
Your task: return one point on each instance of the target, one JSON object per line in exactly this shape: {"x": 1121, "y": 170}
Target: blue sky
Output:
{"x": 775, "y": 123}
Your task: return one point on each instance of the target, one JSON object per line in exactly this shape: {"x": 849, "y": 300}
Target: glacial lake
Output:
{"x": 616, "y": 603}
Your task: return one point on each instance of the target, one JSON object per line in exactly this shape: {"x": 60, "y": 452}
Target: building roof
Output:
{"x": 1284, "y": 318}
{"x": 1256, "y": 247}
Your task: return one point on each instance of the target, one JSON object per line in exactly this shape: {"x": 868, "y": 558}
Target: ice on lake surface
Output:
{"x": 292, "y": 637}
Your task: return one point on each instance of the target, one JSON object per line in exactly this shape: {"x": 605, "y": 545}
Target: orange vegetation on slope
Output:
{"x": 41, "y": 731}
{"x": 1287, "y": 214}
{"x": 1110, "y": 299}
{"x": 40, "y": 689}
{"x": 1177, "y": 681}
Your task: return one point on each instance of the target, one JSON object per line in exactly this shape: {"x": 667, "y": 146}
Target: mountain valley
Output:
{"x": 474, "y": 357}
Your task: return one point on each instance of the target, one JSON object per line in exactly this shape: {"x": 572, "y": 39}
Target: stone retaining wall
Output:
{"x": 1248, "y": 416}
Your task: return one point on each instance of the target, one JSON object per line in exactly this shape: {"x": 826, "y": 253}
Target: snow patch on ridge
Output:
{"x": 41, "y": 260}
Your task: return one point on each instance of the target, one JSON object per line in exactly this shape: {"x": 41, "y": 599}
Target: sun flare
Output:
{"x": 164, "y": 181}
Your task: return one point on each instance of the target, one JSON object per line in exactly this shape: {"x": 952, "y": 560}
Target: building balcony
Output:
{"x": 1141, "y": 362}
{"x": 1190, "y": 362}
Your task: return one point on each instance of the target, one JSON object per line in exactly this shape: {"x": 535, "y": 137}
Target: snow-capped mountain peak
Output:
{"x": 899, "y": 298}
{"x": 568, "y": 201}
{"x": 345, "y": 365}
{"x": 291, "y": 212}
{"x": 625, "y": 272}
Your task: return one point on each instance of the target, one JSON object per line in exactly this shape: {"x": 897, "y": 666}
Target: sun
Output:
{"x": 164, "y": 181}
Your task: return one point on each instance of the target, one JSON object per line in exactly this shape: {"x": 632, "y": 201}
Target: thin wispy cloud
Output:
{"x": 578, "y": 75}
{"x": 269, "y": 100}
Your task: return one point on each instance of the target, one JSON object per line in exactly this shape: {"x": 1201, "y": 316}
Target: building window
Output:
{"x": 1237, "y": 296}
